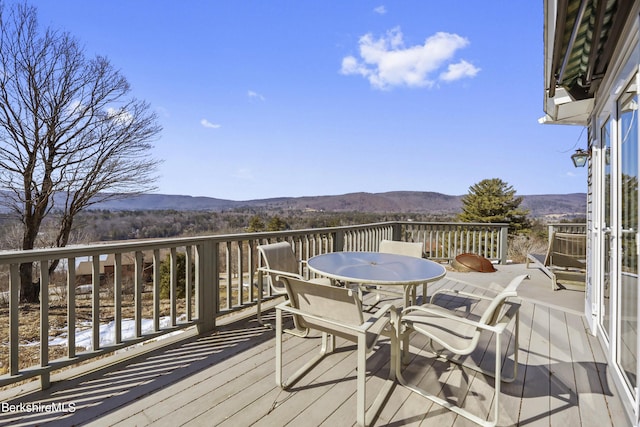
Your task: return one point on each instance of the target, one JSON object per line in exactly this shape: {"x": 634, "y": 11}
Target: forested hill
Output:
{"x": 544, "y": 205}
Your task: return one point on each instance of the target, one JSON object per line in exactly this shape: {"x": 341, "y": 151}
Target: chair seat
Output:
{"x": 453, "y": 334}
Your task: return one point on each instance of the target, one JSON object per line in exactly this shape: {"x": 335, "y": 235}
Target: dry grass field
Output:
{"x": 29, "y": 326}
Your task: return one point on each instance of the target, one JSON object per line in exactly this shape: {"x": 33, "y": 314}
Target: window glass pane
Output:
{"x": 628, "y": 211}
{"x": 606, "y": 224}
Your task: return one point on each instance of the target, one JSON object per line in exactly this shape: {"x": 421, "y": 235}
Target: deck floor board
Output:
{"x": 227, "y": 378}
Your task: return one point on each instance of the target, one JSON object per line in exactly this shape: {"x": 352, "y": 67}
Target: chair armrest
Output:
{"x": 379, "y": 316}
{"x": 492, "y": 287}
{"x": 279, "y": 273}
{"x": 359, "y": 329}
{"x": 447, "y": 314}
{"x": 458, "y": 292}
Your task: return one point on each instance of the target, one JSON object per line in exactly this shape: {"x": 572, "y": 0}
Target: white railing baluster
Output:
{"x": 240, "y": 268}
{"x": 95, "y": 303}
{"x": 188, "y": 292}
{"x": 228, "y": 268}
{"x": 117, "y": 297}
{"x": 173, "y": 285}
{"x": 71, "y": 307}
{"x": 138, "y": 285}
{"x": 157, "y": 262}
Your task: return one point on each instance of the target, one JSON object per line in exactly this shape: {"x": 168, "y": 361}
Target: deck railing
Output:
{"x": 141, "y": 283}
{"x": 567, "y": 227}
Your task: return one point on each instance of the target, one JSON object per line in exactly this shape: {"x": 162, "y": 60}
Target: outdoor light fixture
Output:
{"x": 579, "y": 158}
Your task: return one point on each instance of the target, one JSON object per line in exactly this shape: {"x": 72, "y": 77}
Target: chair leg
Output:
{"x": 497, "y": 383}
{"x": 278, "y": 347}
{"x": 326, "y": 347}
{"x": 446, "y": 404}
{"x": 366, "y": 417}
{"x": 259, "y": 303}
{"x": 361, "y": 381}
{"x": 497, "y": 375}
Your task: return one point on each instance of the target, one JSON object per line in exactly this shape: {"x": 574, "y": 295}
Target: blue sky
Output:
{"x": 261, "y": 99}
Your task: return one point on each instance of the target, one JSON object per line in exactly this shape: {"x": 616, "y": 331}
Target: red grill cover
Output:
{"x": 476, "y": 263}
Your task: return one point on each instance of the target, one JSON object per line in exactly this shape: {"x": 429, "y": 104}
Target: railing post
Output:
{"x": 397, "y": 231}
{"x": 504, "y": 243}
{"x": 207, "y": 279}
{"x": 338, "y": 241}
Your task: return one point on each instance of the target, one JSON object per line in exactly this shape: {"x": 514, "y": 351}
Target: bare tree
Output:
{"x": 70, "y": 135}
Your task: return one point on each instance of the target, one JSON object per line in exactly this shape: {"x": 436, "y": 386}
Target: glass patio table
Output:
{"x": 376, "y": 268}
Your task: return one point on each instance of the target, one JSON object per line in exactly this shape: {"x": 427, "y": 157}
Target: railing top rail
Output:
{"x": 483, "y": 224}
{"x": 100, "y": 248}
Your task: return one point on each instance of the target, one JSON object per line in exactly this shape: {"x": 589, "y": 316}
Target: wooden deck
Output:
{"x": 227, "y": 378}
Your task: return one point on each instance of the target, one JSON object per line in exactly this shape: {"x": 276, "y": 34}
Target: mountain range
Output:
{"x": 543, "y": 205}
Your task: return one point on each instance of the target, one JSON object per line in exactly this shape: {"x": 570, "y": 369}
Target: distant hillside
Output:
{"x": 545, "y": 205}
{"x": 556, "y": 205}
{"x": 164, "y": 202}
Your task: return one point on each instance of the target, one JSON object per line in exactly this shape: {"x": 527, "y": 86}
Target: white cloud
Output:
{"x": 458, "y": 71}
{"x": 386, "y": 62}
{"x": 206, "y": 123}
{"x": 380, "y": 10}
{"x": 255, "y": 95}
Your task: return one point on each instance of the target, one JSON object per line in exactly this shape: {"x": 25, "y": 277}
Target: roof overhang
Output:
{"x": 563, "y": 109}
{"x": 579, "y": 37}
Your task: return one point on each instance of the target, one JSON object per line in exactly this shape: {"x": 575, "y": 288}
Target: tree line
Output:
{"x": 106, "y": 225}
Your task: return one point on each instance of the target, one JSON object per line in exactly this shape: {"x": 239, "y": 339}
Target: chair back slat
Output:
{"x": 279, "y": 256}
{"x": 568, "y": 250}
{"x": 413, "y": 249}
{"x": 338, "y": 304}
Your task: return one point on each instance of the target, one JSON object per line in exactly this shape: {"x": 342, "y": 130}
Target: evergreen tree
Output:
{"x": 256, "y": 224}
{"x": 494, "y": 201}
{"x": 277, "y": 224}
{"x": 165, "y": 276}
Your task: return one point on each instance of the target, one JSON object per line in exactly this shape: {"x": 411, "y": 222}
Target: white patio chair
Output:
{"x": 458, "y": 335}
{"x": 336, "y": 311}
{"x": 278, "y": 260}
{"x": 564, "y": 261}
{"x": 413, "y": 249}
